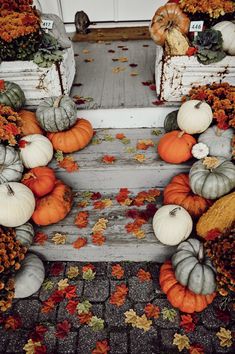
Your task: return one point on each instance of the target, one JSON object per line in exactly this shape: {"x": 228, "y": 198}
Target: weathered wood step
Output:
{"x": 119, "y": 245}
{"x": 126, "y": 171}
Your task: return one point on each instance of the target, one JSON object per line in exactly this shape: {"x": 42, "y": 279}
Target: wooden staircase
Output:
{"x": 96, "y": 176}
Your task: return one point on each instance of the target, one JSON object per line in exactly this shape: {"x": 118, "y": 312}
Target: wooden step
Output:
{"x": 119, "y": 245}
{"x": 126, "y": 171}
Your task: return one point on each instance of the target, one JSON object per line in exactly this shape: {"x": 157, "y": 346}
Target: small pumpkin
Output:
{"x": 218, "y": 141}
{"x": 193, "y": 268}
{"x": 172, "y": 224}
{"x": 30, "y": 124}
{"x": 180, "y": 296}
{"x": 212, "y": 177}
{"x": 53, "y": 207}
{"x": 178, "y": 192}
{"x": 73, "y": 139}
{"x": 17, "y": 204}
{"x": 11, "y": 95}
{"x": 194, "y": 116}
{"x": 166, "y": 19}
{"x": 41, "y": 180}
{"x": 11, "y": 166}
{"x": 25, "y": 234}
{"x": 56, "y": 114}
{"x": 227, "y": 28}
{"x": 175, "y": 147}
{"x": 170, "y": 122}
{"x": 35, "y": 150}
{"x": 200, "y": 150}
{"x": 30, "y": 276}
{"x": 221, "y": 216}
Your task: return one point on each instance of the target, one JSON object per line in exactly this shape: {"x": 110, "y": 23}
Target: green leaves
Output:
{"x": 84, "y": 307}
{"x": 49, "y": 52}
{"x": 96, "y": 323}
{"x": 168, "y": 314}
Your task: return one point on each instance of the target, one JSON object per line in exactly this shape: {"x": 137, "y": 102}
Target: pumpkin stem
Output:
{"x": 198, "y": 105}
{"x": 201, "y": 253}
{"x": 211, "y": 162}
{"x": 10, "y": 190}
{"x": 181, "y": 134}
{"x": 173, "y": 211}
{"x": 56, "y": 103}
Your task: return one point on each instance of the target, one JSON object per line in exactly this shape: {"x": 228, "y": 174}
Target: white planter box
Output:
{"x": 38, "y": 83}
{"x": 177, "y": 74}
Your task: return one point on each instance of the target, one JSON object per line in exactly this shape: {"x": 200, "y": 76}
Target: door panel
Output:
{"x": 137, "y": 10}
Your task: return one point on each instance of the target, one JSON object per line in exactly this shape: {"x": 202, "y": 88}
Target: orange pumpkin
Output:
{"x": 53, "y": 207}
{"x": 178, "y": 192}
{"x": 73, "y": 139}
{"x": 180, "y": 296}
{"x": 30, "y": 123}
{"x": 41, "y": 180}
{"x": 165, "y": 19}
{"x": 176, "y": 146}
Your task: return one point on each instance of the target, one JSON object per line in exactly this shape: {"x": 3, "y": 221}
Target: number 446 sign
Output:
{"x": 196, "y": 26}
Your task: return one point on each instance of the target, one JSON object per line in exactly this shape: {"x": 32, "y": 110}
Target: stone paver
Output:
{"x": 96, "y": 290}
{"x": 118, "y": 342}
{"x": 67, "y": 345}
{"x": 140, "y": 291}
{"x": 28, "y": 311}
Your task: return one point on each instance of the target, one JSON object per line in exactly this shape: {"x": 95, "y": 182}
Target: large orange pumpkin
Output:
{"x": 41, "y": 180}
{"x": 30, "y": 123}
{"x": 180, "y": 296}
{"x": 54, "y": 206}
{"x": 73, "y": 139}
{"x": 178, "y": 192}
{"x": 176, "y": 146}
{"x": 166, "y": 19}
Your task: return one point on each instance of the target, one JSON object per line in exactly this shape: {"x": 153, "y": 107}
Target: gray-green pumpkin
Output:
{"x": 56, "y": 114}
{"x": 11, "y": 166}
{"x": 193, "y": 268}
{"x": 170, "y": 122}
{"x": 11, "y": 95}
{"x": 218, "y": 141}
{"x": 212, "y": 177}
{"x": 25, "y": 234}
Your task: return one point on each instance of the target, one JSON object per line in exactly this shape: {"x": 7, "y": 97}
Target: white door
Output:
{"x": 137, "y": 10}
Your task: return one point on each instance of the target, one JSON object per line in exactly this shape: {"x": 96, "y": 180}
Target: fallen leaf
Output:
{"x": 89, "y": 60}
{"x": 96, "y": 141}
{"x": 118, "y": 297}
{"x": 30, "y": 347}
{"x": 57, "y": 296}
{"x": 187, "y": 323}
{"x": 86, "y": 51}
{"x": 72, "y": 272}
{"x": 63, "y": 329}
{"x": 143, "y": 323}
{"x": 156, "y": 132}
{"x": 59, "y": 239}
{"x": 47, "y": 306}
{"x": 125, "y": 141}
{"x": 108, "y": 159}
{"x": 62, "y": 284}
{"x": 152, "y": 87}
{"x": 114, "y": 59}
{"x": 84, "y": 307}
{"x": 123, "y": 59}
{"x": 191, "y": 51}
{"x": 223, "y": 315}
{"x": 96, "y": 323}
{"x": 69, "y": 164}
{"x": 125, "y": 48}
{"x": 70, "y": 292}
{"x": 80, "y": 242}
{"x": 108, "y": 137}
{"x": 169, "y": 314}
{"x": 144, "y": 144}
{"x": 56, "y": 268}
{"x": 96, "y": 195}
{"x": 102, "y": 204}
{"x": 118, "y": 69}
{"x": 152, "y": 311}
{"x": 120, "y": 136}
{"x": 100, "y": 225}
{"x": 143, "y": 275}
{"x": 181, "y": 341}
{"x": 40, "y": 238}
{"x": 101, "y": 347}
{"x": 130, "y": 150}
{"x": 134, "y": 73}
{"x": 85, "y": 318}
{"x": 139, "y": 234}
{"x": 111, "y": 51}
{"x": 133, "y": 65}
{"x": 196, "y": 349}
{"x": 131, "y": 317}
{"x": 38, "y": 334}
{"x": 140, "y": 158}
{"x": 225, "y": 337}
{"x": 98, "y": 239}
{"x": 122, "y": 196}
{"x": 13, "y": 322}
{"x": 81, "y": 219}
{"x": 71, "y": 306}
{"x": 158, "y": 102}
{"x": 88, "y": 275}
{"x": 147, "y": 83}
{"x": 117, "y": 271}
{"x": 77, "y": 84}
{"x": 145, "y": 45}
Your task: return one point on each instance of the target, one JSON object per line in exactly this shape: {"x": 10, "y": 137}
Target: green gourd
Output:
{"x": 11, "y": 95}
{"x": 25, "y": 234}
{"x": 11, "y": 166}
{"x": 170, "y": 122}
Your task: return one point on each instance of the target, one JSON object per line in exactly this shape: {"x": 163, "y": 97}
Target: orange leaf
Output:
{"x": 81, "y": 219}
{"x": 102, "y": 347}
{"x": 108, "y": 159}
{"x": 152, "y": 311}
{"x": 47, "y": 306}
{"x": 87, "y": 267}
{"x": 196, "y": 349}
{"x": 13, "y": 322}
{"x": 99, "y": 204}
{"x": 68, "y": 164}
{"x": 80, "y": 242}
{"x": 117, "y": 271}
{"x": 122, "y": 196}
{"x": 98, "y": 239}
{"x": 118, "y": 297}
{"x": 144, "y": 144}
{"x": 40, "y": 238}
{"x": 85, "y": 318}
{"x": 143, "y": 275}
{"x": 187, "y": 323}
{"x": 120, "y": 136}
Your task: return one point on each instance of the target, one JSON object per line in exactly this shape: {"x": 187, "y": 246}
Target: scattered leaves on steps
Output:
{"x": 144, "y": 144}
{"x": 225, "y": 337}
{"x": 118, "y": 297}
{"x": 187, "y": 323}
{"x": 63, "y": 329}
{"x": 59, "y": 239}
{"x": 152, "y": 311}
{"x": 79, "y": 243}
{"x": 40, "y": 238}
{"x": 108, "y": 159}
{"x": 81, "y": 219}
{"x": 72, "y": 272}
{"x": 102, "y": 347}
{"x": 181, "y": 341}
{"x": 117, "y": 271}
{"x": 143, "y": 275}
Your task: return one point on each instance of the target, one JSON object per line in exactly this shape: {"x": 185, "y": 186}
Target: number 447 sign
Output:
{"x": 196, "y": 26}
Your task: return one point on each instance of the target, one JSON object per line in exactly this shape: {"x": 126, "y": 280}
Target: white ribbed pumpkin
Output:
{"x": 35, "y": 150}
{"x": 25, "y": 234}
{"x": 11, "y": 166}
{"x": 30, "y": 276}
{"x": 194, "y": 116}
{"x": 218, "y": 141}
{"x": 172, "y": 224}
{"x": 227, "y": 29}
{"x": 17, "y": 204}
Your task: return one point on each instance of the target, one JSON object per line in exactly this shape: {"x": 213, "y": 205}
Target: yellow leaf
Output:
{"x": 72, "y": 272}
{"x": 143, "y": 323}
{"x": 134, "y": 73}
{"x": 30, "y": 346}
{"x": 118, "y": 69}
{"x": 85, "y": 51}
{"x": 139, "y": 234}
{"x": 140, "y": 157}
{"x": 63, "y": 284}
{"x": 107, "y": 202}
{"x": 101, "y": 225}
{"x": 131, "y": 317}
{"x": 59, "y": 239}
{"x": 181, "y": 341}
{"x": 225, "y": 337}
{"x": 123, "y": 59}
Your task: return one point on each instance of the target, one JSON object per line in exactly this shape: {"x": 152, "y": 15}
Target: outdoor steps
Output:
{"x": 93, "y": 175}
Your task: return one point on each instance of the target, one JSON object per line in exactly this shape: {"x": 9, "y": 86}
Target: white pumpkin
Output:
{"x": 194, "y": 116}
{"x": 227, "y": 29}
{"x": 218, "y": 141}
{"x": 35, "y": 150}
{"x": 30, "y": 276}
{"x": 172, "y": 224}
{"x": 25, "y": 234}
{"x": 200, "y": 150}
{"x": 11, "y": 166}
{"x": 17, "y": 204}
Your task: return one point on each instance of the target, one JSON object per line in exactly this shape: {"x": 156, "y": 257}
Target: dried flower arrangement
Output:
{"x": 221, "y": 98}
{"x": 213, "y": 8}
{"x": 11, "y": 254}
{"x": 10, "y": 125}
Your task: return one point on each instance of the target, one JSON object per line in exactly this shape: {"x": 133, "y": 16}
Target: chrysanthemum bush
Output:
{"x": 213, "y": 8}
{"x": 10, "y": 125}
{"x": 11, "y": 255}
